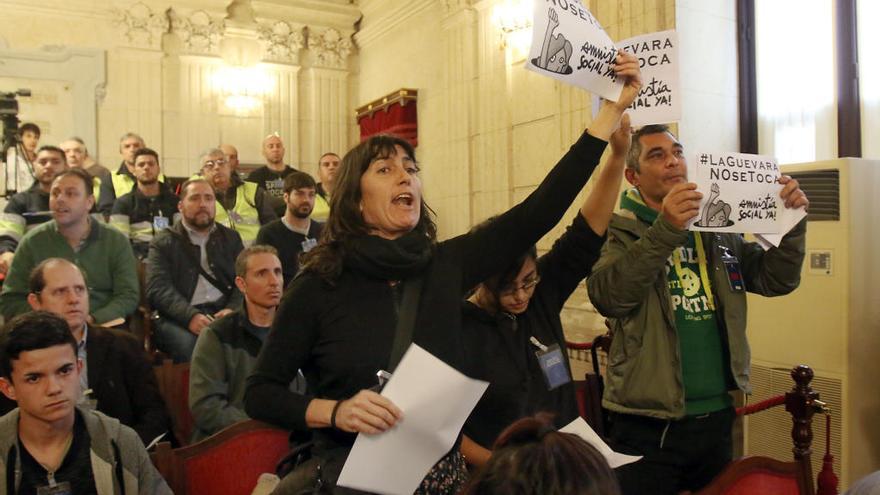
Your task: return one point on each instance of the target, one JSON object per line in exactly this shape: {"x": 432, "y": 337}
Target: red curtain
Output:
{"x": 394, "y": 119}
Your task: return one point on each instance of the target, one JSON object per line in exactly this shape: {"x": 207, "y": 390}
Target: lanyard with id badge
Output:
{"x": 734, "y": 273}
{"x": 55, "y": 488}
{"x": 552, "y": 364}
{"x": 308, "y": 244}
{"x": 160, "y": 222}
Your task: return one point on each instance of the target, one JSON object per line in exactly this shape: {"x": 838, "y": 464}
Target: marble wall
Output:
{"x": 155, "y": 72}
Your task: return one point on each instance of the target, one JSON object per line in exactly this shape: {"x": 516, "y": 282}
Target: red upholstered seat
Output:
{"x": 760, "y": 476}
{"x": 234, "y": 466}
{"x": 227, "y": 463}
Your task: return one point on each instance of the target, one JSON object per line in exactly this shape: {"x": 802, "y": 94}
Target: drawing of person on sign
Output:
{"x": 716, "y": 213}
{"x": 556, "y": 51}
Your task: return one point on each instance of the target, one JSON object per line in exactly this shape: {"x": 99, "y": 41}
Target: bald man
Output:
{"x": 271, "y": 176}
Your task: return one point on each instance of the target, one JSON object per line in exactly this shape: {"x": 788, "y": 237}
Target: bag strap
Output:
{"x": 226, "y": 290}
{"x": 406, "y": 321}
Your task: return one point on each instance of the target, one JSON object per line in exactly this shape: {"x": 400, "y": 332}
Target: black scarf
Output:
{"x": 385, "y": 259}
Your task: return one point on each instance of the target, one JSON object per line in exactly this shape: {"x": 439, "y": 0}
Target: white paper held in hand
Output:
{"x": 570, "y": 45}
{"x": 396, "y": 461}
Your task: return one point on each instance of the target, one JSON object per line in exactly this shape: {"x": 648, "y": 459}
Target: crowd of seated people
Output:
{"x": 286, "y": 318}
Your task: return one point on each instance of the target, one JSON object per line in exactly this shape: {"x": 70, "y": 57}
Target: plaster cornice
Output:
{"x": 383, "y": 16}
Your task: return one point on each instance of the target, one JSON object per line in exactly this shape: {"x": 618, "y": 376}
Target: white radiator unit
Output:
{"x": 831, "y": 322}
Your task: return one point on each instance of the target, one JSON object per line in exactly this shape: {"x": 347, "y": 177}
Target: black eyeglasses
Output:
{"x": 526, "y": 286}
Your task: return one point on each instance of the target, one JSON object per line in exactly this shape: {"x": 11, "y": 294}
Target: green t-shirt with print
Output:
{"x": 703, "y": 354}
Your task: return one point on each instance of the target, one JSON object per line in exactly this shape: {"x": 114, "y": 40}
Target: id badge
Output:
{"x": 552, "y": 363}
{"x": 160, "y": 223}
{"x": 308, "y": 244}
{"x": 62, "y": 488}
{"x": 734, "y": 273}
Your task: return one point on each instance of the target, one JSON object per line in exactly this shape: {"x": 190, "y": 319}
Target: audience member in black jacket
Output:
{"x": 149, "y": 208}
{"x": 186, "y": 300}
{"x": 337, "y": 319}
{"x": 30, "y": 207}
{"x": 514, "y": 314}
{"x": 115, "y": 366}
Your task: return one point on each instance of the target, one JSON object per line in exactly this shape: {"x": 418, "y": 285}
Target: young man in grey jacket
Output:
{"x": 676, "y": 302}
{"x": 47, "y": 444}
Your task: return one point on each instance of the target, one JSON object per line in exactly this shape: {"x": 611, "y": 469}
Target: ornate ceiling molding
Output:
{"x": 140, "y": 26}
{"x": 330, "y": 48}
{"x": 199, "y": 32}
{"x": 282, "y": 42}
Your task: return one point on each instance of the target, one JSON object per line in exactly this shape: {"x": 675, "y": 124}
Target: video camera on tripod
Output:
{"x": 9, "y": 118}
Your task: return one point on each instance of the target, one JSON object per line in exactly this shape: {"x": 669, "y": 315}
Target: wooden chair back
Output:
{"x": 174, "y": 386}
{"x": 758, "y": 475}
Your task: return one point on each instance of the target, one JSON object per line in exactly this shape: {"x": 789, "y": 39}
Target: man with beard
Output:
{"x": 103, "y": 254}
{"x": 191, "y": 277}
{"x": 271, "y": 176}
{"x": 227, "y": 349}
{"x": 123, "y": 180}
{"x": 241, "y": 206}
{"x": 29, "y": 208}
{"x": 294, "y": 233}
{"x": 150, "y": 208}
{"x": 328, "y": 167}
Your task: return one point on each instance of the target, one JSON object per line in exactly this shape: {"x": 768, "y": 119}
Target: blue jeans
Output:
{"x": 174, "y": 340}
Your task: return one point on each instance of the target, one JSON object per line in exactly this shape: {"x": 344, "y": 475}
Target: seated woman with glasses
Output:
{"x": 513, "y": 334}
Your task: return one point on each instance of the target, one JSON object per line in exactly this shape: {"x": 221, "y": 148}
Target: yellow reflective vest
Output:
{"x": 244, "y": 217}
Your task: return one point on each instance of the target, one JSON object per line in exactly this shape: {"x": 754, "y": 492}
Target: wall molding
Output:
{"x": 390, "y": 19}
{"x": 85, "y": 70}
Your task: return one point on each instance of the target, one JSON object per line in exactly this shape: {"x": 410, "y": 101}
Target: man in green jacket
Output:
{"x": 48, "y": 444}
{"x": 676, "y": 302}
{"x": 103, "y": 254}
{"x": 226, "y": 351}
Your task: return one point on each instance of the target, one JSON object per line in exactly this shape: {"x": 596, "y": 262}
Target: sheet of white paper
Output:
{"x": 580, "y": 428}
{"x": 659, "y": 100}
{"x": 740, "y": 192}
{"x": 570, "y": 45}
{"x": 395, "y": 462}
{"x": 788, "y": 219}
{"x": 764, "y": 243}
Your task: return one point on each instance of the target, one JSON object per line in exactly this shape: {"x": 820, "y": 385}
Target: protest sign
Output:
{"x": 659, "y": 99}
{"x": 740, "y": 192}
{"x": 570, "y": 45}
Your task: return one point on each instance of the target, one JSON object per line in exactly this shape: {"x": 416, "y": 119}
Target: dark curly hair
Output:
{"x": 531, "y": 458}
{"x": 346, "y": 221}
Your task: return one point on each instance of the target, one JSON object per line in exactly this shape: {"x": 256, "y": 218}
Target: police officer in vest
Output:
{"x": 241, "y": 206}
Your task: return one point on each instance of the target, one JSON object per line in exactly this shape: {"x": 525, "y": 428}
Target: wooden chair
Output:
{"x": 228, "y": 462}
{"x": 758, "y": 475}
{"x": 589, "y": 390}
{"x": 173, "y": 381}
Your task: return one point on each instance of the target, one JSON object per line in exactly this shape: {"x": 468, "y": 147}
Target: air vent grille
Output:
{"x": 823, "y": 190}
